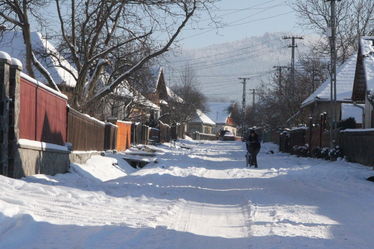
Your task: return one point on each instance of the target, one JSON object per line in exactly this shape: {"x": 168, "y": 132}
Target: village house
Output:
{"x": 201, "y": 123}
{"x": 319, "y": 101}
{"x": 123, "y": 103}
{"x": 218, "y": 112}
{"x": 363, "y": 88}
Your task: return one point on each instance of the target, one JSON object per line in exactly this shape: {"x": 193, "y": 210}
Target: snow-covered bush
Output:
{"x": 302, "y": 150}
{"x": 327, "y": 153}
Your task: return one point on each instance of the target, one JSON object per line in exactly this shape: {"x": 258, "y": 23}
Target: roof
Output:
{"x": 12, "y": 43}
{"x": 138, "y": 97}
{"x": 218, "y": 111}
{"x": 202, "y": 118}
{"x": 344, "y": 84}
{"x": 367, "y": 50}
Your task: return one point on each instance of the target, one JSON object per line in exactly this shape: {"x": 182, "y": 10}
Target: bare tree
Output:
{"x": 117, "y": 38}
{"x": 354, "y": 19}
{"x": 276, "y": 106}
{"x": 16, "y": 14}
{"x": 188, "y": 91}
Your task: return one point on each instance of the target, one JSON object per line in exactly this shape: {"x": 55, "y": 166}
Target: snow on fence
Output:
{"x": 165, "y": 132}
{"x": 84, "y": 132}
{"x": 110, "y": 138}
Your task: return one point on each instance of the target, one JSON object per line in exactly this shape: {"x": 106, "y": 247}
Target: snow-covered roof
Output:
{"x": 218, "y": 111}
{"x": 174, "y": 96}
{"x": 202, "y": 118}
{"x": 352, "y": 111}
{"x": 12, "y": 43}
{"x": 367, "y": 50}
{"x": 344, "y": 84}
{"x": 138, "y": 97}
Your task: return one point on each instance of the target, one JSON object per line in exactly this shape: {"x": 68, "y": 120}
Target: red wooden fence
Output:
{"x": 43, "y": 114}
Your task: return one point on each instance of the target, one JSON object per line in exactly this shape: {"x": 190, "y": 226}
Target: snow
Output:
{"x": 40, "y": 84}
{"x": 12, "y": 43}
{"x": 16, "y": 62}
{"x": 344, "y": 84}
{"x": 26, "y": 143}
{"x": 5, "y": 56}
{"x": 202, "y": 197}
{"x": 202, "y": 118}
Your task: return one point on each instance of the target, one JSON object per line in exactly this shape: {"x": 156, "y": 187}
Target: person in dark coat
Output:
{"x": 253, "y": 147}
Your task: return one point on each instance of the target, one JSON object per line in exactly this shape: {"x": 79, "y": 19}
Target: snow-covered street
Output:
{"x": 196, "y": 197}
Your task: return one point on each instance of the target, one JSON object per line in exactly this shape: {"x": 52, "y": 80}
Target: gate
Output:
{"x": 4, "y": 112}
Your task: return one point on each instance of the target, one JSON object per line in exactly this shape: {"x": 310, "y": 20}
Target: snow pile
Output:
{"x": 199, "y": 195}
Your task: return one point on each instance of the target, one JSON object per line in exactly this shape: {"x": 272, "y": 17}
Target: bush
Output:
{"x": 327, "y": 153}
{"x": 349, "y": 123}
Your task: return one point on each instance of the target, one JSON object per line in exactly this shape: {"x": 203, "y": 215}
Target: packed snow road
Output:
{"x": 196, "y": 197}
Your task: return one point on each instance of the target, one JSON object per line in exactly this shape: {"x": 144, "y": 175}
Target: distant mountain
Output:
{"x": 218, "y": 67}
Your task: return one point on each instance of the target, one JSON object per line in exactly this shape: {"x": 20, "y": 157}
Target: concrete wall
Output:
{"x": 32, "y": 160}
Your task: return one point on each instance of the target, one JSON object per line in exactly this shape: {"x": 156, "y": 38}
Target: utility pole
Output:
{"x": 333, "y": 70}
{"x": 253, "y": 98}
{"x": 243, "y": 101}
{"x": 293, "y": 46}
{"x": 279, "y": 69}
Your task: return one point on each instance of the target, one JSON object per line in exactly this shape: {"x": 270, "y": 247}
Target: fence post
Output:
{"x": 14, "y": 111}
{"x": 5, "y": 60}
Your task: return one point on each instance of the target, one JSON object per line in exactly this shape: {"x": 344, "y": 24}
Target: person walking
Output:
{"x": 253, "y": 147}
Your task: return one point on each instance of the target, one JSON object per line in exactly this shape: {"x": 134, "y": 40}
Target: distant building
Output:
{"x": 218, "y": 112}
{"x": 201, "y": 123}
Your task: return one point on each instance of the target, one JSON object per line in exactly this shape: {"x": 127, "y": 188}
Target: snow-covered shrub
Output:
{"x": 327, "y": 153}
{"x": 300, "y": 150}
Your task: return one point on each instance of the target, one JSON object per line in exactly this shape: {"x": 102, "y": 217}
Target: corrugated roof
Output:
{"x": 344, "y": 84}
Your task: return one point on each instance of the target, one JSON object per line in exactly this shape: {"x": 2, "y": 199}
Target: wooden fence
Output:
{"x": 110, "y": 138}
{"x": 84, "y": 132}
{"x": 165, "y": 132}
{"x": 357, "y": 145}
{"x": 123, "y": 135}
{"x": 42, "y": 113}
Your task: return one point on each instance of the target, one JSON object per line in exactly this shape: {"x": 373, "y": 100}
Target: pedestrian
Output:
{"x": 253, "y": 147}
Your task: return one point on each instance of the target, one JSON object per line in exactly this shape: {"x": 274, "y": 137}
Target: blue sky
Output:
{"x": 241, "y": 19}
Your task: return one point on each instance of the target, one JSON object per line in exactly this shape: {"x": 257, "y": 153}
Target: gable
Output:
{"x": 359, "y": 85}
{"x": 161, "y": 86}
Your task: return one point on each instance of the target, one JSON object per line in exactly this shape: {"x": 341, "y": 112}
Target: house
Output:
{"x": 218, "y": 112}
{"x": 161, "y": 95}
{"x": 122, "y": 103}
{"x": 201, "y": 123}
{"x": 363, "y": 89}
{"x": 12, "y": 43}
{"x": 319, "y": 101}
